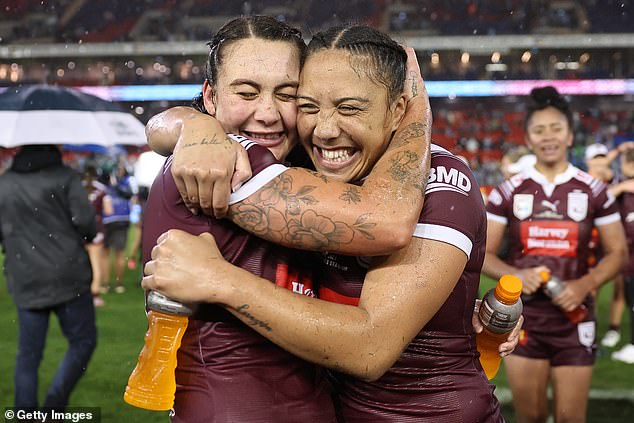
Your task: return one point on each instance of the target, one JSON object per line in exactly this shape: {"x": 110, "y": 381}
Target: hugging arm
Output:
{"x": 363, "y": 341}
{"x": 301, "y": 208}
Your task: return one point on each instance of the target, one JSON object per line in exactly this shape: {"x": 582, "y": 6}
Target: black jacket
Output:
{"x": 45, "y": 219}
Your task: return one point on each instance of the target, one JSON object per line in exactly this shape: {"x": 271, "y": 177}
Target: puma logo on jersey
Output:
{"x": 630, "y": 217}
{"x": 551, "y": 206}
{"x": 443, "y": 179}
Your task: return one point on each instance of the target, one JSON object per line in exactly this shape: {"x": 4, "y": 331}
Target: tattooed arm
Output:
{"x": 363, "y": 340}
{"x": 204, "y": 167}
{"x": 305, "y": 210}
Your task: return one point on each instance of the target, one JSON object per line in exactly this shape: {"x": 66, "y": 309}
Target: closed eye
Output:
{"x": 308, "y": 108}
{"x": 247, "y": 95}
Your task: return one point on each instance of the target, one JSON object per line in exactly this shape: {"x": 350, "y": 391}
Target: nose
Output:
{"x": 327, "y": 127}
{"x": 267, "y": 111}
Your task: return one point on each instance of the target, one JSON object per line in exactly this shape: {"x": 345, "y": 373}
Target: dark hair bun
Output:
{"x": 548, "y": 96}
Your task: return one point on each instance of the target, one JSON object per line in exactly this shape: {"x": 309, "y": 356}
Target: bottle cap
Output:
{"x": 508, "y": 289}
{"x": 545, "y": 276}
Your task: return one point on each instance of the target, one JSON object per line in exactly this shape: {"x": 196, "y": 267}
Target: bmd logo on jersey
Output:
{"x": 443, "y": 179}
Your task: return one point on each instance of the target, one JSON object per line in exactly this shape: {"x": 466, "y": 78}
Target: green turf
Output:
{"x": 122, "y": 323}
{"x": 121, "y": 327}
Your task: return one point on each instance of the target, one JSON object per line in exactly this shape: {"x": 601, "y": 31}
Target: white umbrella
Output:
{"x": 47, "y": 114}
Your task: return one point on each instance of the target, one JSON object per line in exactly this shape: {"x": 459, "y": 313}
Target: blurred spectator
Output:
{"x": 116, "y": 219}
{"x": 96, "y": 193}
{"x": 45, "y": 219}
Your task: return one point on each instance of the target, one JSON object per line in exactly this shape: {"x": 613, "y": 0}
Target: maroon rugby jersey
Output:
{"x": 226, "y": 371}
{"x": 438, "y": 378}
{"x": 96, "y": 193}
{"x": 551, "y": 224}
{"x": 626, "y": 207}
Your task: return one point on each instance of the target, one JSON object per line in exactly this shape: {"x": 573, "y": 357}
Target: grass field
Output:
{"x": 122, "y": 324}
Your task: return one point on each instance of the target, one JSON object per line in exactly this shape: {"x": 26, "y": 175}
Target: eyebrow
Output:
{"x": 236, "y": 82}
{"x": 338, "y": 101}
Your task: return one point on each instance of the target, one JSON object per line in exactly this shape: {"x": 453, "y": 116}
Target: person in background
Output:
{"x": 45, "y": 220}
{"x": 96, "y": 192}
{"x": 599, "y": 163}
{"x": 116, "y": 218}
{"x": 550, "y": 210}
{"x": 624, "y": 191}
{"x": 515, "y": 161}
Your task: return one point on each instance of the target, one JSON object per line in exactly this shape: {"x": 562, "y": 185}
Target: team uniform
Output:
{"x": 626, "y": 207}
{"x": 550, "y": 224}
{"x": 438, "y": 378}
{"x": 96, "y": 194}
{"x": 226, "y": 371}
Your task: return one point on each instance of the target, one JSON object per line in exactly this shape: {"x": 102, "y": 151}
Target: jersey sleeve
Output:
{"x": 498, "y": 203}
{"x": 607, "y": 209}
{"x": 453, "y": 211}
{"x": 264, "y": 168}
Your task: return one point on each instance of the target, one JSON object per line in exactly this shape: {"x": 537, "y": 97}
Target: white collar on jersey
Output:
{"x": 549, "y": 187}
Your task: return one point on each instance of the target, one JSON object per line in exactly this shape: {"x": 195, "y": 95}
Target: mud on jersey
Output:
{"x": 438, "y": 377}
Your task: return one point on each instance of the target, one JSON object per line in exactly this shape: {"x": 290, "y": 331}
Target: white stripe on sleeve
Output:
{"x": 257, "y": 182}
{"x": 606, "y": 220}
{"x": 500, "y": 219}
{"x": 444, "y": 234}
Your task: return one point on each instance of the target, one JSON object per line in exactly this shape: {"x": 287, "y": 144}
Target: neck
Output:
{"x": 550, "y": 171}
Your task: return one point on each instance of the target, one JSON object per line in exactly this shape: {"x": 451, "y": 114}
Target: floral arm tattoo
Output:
{"x": 285, "y": 214}
{"x": 303, "y": 209}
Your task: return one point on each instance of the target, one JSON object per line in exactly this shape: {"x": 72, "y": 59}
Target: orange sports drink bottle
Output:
{"x": 152, "y": 383}
{"x": 552, "y": 286}
{"x": 499, "y": 312}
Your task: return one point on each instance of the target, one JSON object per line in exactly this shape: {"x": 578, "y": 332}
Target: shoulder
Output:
{"x": 260, "y": 157}
{"x": 595, "y": 185}
{"x": 449, "y": 173}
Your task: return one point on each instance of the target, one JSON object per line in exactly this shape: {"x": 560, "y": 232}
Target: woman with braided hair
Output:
{"x": 550, "y": 210}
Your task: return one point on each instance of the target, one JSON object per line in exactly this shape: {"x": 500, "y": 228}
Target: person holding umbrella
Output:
{"x": 45, "y": 219}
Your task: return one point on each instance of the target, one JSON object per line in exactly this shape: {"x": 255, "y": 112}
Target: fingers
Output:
{"x": 220, "y": 194}
{"x": 243, "y": 168}
{"x": 475, "y": 319}
{"x": 191, "y": 188}
{"x": 508, "y": 347}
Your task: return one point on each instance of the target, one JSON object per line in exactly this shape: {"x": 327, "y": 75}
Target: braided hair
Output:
{"x": 245, "y": 27}
{"x": 386, "y": 59}
{"x": 548, "y": 96}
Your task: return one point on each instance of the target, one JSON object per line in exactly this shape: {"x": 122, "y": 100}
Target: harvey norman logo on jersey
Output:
{"x": 549, "y": 238}
{"x": 442, "y": 178}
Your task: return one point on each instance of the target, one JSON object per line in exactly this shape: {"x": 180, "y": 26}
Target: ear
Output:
{"x": 398, "y": 111}
{"x": 527, "y": 141}
{"x": 209, "y": 98}
{"x": 570, "y": 139}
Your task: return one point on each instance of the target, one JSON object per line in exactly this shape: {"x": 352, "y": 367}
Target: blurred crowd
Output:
{"x": 171, "y": 20}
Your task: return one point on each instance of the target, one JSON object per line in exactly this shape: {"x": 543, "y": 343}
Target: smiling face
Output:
{"x": 549, "y": 135}
{"x": 345, "y": 122}
{"x": 255, "y": 93}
